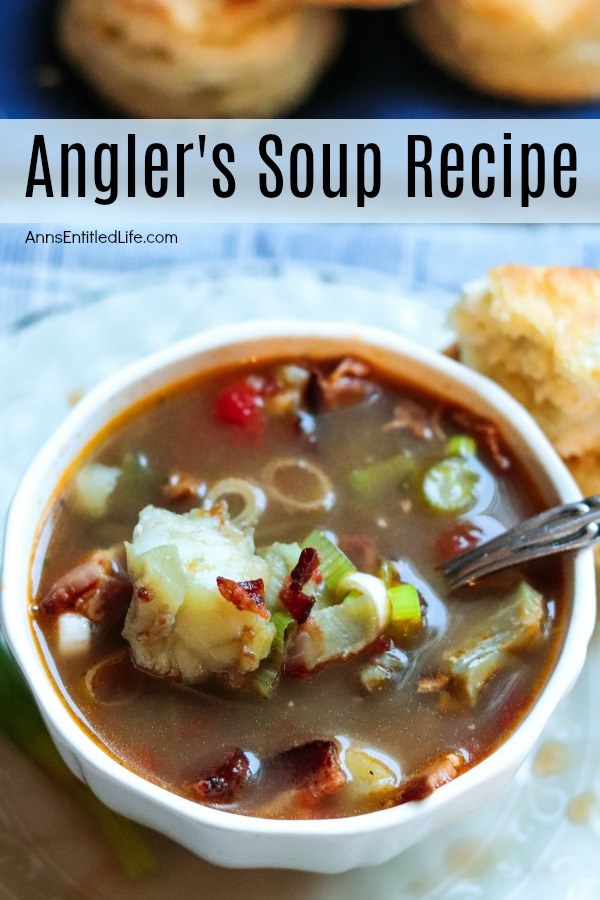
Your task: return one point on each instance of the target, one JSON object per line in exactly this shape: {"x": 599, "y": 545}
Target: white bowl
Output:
{"x": 325, "y": 845}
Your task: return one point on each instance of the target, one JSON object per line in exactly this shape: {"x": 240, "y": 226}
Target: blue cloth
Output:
{"x": 37, "y": 277}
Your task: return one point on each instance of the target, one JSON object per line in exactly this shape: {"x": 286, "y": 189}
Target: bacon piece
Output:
{"x": 411, "y": 416}
{"x": 180, "y": 486}
{"x": 306, "y": 567}
{"x": 297, "y": 603}
{"x": 98, "y": 588}
{"x": 487, "y": 431}
{"x": 361, "y": 550}
{"x": 223, "y": 784}
{"x": 346, "y": 384}
{"x": 248, "y": 596}
{"x": 433, "y": 775}
{"x": 314, "y": 769}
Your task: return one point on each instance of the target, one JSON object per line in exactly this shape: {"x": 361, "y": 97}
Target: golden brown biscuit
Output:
{"x": 586, "y": 472}
{"x": 544, "y": 51}
{"x": 536, "y": 331}
{"x": 361, "y": 4}
{"x": 199, "y": 58}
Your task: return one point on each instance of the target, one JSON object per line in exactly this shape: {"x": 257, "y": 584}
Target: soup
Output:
{"x": 237, "y": 590}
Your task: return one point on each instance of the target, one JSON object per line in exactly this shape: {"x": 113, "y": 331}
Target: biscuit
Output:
{"x": 542, "y": 51}
{"x": 536, "y": 331}
{"x": 362, "y": 4}
{"x": 586, "y": 472}
{"x": 199, "y": 58}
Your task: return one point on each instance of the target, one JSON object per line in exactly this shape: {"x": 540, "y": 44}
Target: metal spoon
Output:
{"x": 572, "y": 526}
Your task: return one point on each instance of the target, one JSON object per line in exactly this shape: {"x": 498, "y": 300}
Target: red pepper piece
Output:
{"x": 240, "y": 403}
{"x": 458, "y": 539}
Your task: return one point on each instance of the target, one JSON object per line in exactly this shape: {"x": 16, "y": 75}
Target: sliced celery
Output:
{"x": 281, "y": 559}
{"x": 333, "y": 563}
{"x": 382, "y": 476}
{"x": 450, "y": 485}
{"x": 517, "y": 626}
{"x": 461, "y": 445}
{"x": 266, "y": 676}
{"x": 335, "y": 632}
{"x": 405, "y": 603}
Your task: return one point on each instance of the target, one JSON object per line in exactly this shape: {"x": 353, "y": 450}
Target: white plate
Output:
{"x": 539, "y": 839}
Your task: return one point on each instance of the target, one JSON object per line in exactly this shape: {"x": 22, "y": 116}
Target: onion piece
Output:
{"x": 324, "y": 495}
{"x": 333, "y": 563}
{"x": 374, "y": 778}
{"x": 253, "y": 498}
{"x": 293, "y": 376}
{"x": 114, "y": 679}
{"x": 369, "y": 586}
{"x": 74, "y": 634}
{"x": 94, "y": 485}
{"x": 342, "y": 630}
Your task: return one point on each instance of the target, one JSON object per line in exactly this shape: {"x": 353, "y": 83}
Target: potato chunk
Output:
{"x": 178, "y": 624}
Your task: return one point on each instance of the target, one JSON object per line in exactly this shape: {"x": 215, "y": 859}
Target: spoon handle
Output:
{"x": 572, "y": 526}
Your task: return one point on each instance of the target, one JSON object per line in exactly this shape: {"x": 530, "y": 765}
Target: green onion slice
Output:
{"x": 461, "y": 445}
{"x": 450, "y": 486}
{"x": 382, "y": 476}
{"x": 334, "y": 564}
{"x": 405, "y": 603}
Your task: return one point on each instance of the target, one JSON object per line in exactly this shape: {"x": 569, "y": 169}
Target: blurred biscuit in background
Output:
{"x": 535, "y": 51}
{"x": 586, "y": 472}
{"x": 361, "y": 4}
{"x": 536, "y": 331}
{"x": 199, "y": 58}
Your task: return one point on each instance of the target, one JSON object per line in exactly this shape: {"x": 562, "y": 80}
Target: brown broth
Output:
{"x": 171, "y": 734}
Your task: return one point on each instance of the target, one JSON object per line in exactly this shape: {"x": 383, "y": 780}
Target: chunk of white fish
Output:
{"x": 178, "y": 624}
